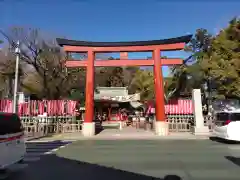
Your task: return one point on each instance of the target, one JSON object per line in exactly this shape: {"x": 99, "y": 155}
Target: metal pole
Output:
{"x": 210, "y": 96}
{"x": 17, "y": 51}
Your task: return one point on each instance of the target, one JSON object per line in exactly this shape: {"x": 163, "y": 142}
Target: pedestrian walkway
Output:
{"x": 127, "y": 133}
{"x": 133, "y": 133}
{"x": 36, "y": 149}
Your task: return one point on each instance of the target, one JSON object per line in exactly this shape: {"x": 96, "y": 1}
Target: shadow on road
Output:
{"x": 98, "y": 130}
{"x": 223, "y": 141}
{"x": 52, "y": 167}
{"x": 235, "y": 160}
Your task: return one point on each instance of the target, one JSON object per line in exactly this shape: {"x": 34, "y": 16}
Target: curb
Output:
{"x": 113, "y": 137}
{"x": 130, "y": 138}
{"x": 147, "y": 138}
{"x": 36, "y": 138}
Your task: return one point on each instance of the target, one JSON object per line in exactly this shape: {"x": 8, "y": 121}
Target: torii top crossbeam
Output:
{"x": 154, "y": 46}
{"x": 126, "y": 45}
{"x": 132, "y": 46}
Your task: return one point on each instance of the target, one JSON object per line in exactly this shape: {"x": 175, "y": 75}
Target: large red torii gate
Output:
{"x": 154, "y": 46}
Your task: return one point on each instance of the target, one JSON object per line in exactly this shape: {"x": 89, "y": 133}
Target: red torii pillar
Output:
{"x": 89, "y": 125}
{"x": 161, "y": 127}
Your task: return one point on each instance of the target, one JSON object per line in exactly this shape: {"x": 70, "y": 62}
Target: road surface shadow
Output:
{"x": 52, "y": 167}
{"x": 223, "y": 141}
{"x": 98, "y": 130}
{"x": 234, "y": 160}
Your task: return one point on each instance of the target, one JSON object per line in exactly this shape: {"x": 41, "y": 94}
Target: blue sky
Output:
{"x": 108, "y": 20}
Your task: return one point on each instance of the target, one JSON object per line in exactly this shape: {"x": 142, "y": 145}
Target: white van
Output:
{"x": 12, "y": 145}
{"x": 227, "y": 125}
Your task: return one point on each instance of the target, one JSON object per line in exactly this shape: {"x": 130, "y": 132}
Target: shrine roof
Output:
{"x": 67, "y": 42}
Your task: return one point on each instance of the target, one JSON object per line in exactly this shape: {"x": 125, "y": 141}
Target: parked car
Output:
{"x": 227, "y": 125}
{"x": 12, "y": 144}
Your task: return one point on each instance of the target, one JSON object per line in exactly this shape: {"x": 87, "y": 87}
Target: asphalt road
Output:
{"x": 131, "y": 159}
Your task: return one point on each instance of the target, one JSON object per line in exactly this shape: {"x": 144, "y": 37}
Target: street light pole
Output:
{"x": 210, "y": 96}
{"x": 17, "y": 51}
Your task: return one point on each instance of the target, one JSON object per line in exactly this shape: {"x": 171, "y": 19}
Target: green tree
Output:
{"x": 143, "y": 83}
{"x": 216, "y": 57}
{"x": 222, "y": 63}
{"x": 190, "y": 75}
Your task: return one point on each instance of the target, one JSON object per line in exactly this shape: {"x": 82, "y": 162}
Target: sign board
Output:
{"x": 128, "y": 98}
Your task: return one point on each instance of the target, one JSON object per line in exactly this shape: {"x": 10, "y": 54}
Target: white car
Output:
{"x": 227, "y": 125}
{"x": 12, "y": 144}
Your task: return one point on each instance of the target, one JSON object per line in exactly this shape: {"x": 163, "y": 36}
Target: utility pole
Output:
{"x": 210, "y": 97}
{"x": 17, "y": 51}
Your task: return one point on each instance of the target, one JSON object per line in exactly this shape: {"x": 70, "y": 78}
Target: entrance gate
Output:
{"x": 154, "y": 46}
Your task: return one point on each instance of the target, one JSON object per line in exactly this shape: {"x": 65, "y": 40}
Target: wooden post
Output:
{"x": 89, "y": 125}
{"x": 124, "y": 55}
{"x": 161, "y": 127}
{"x": 159, "y": 89}
{"x": 90, "y": 89}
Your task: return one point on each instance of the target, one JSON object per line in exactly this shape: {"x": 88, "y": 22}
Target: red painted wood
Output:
{"x": 136, "y": 62}
{"x": 76, "y": 63}
{"x": 89, "y": 102}
{"x": 171, "y": 61}
{"x": 139, "y": 62}
{"x": 159, "y": 88}
{"x": 123, "y": 55}
{"x": 177, "y": 46}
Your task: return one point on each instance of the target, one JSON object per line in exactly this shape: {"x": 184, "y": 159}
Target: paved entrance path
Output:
{"x": 125, "y": 133}
{"x": 138, "y": 159}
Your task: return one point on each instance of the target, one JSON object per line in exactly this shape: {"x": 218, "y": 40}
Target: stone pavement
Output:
{"x": 125, "y": 133}
{"x": 138, "y": 160}
{"x": 133, "y": 133}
